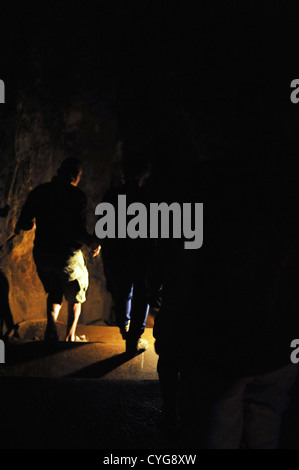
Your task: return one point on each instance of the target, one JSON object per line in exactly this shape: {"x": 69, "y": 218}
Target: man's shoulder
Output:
{"x": 50, "y": 187}
{"x": 67, "y": 189}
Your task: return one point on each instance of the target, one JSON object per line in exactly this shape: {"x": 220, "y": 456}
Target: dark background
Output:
{"x": 181, "y": 82}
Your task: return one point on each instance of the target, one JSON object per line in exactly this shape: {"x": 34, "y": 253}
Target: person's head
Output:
{"x": 70, "y": 170}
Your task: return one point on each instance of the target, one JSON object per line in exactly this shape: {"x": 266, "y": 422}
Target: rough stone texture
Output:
{"x": 38, "y": 130}
{"x": 194, "y": 81}
{"x": 35, "y": 158}
{"x": 182, "y": 84}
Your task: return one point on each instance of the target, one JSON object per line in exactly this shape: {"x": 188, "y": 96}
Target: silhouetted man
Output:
{"x": 59, "y": 209}
{"x": 126, "y": 261}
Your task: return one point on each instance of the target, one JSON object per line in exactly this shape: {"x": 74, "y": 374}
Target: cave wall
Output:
{"x": 54, "y": 108}
{"x": 181, "y": 84}
{"x": 35, "y": 154}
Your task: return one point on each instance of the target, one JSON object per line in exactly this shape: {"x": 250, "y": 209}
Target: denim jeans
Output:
{"x": 130, "y": 294}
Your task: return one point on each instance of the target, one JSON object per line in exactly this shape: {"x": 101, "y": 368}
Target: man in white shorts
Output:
{"x": 59, "y": 210}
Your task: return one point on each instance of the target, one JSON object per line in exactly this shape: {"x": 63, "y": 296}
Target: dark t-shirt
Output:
{"x": 137, "y": 251}
{"x": 60, "y": 212}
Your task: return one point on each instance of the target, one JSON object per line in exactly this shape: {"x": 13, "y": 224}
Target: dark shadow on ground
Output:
{"x": 18, "y": 353}
{"x": 101, "y": 368}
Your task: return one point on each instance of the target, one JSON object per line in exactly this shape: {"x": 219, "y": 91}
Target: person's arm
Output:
{"x": 82, "y": 234}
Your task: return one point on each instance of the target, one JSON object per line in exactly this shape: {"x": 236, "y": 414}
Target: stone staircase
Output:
{"x": 79, "y": 395}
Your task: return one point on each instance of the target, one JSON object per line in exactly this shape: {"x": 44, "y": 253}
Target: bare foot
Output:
{"x": 77, "y": 339}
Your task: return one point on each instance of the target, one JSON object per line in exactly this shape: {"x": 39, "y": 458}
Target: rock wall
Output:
{"x": 36, "y": 138}
{"x": 182, "y": 85}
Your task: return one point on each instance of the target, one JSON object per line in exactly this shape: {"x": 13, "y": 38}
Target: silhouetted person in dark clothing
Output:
{"x": 59, "y": 210}
{"x": 126, "y": 261}
{"x": 230, "y": 309}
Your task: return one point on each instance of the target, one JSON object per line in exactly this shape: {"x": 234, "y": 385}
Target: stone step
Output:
{"x": 102, "y": 357}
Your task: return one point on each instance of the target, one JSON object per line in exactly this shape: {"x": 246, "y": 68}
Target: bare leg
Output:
{"x": 74, "y": 311}
{"x": 53, "y": 309}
